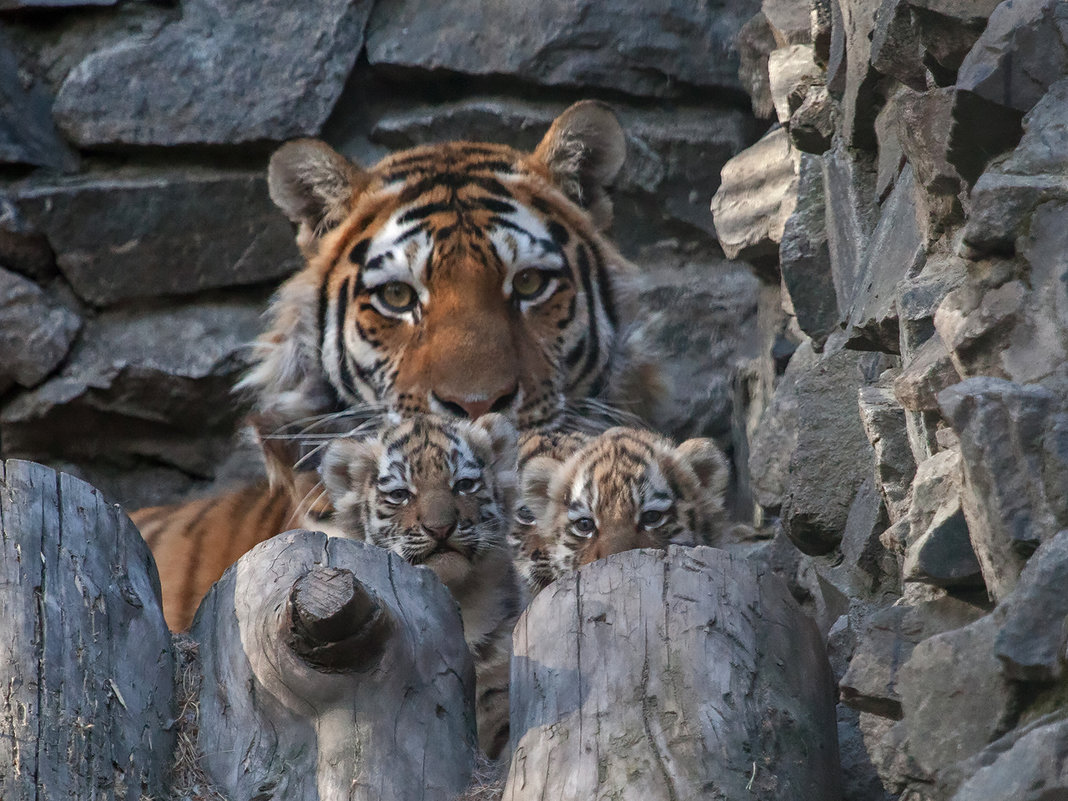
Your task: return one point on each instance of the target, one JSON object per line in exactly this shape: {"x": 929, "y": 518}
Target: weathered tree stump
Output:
{"x": 86, "y": 663}
{"x": 334, "y": 670}
{"x": 677, "y": 675}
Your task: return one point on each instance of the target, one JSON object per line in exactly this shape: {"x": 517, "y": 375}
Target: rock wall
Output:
{"x": 138, "y": 245}
{"x": 907, "y": 216}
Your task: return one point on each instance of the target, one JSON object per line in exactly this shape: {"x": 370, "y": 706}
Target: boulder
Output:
{"x": 1032, "y": 637}
{"x": 849, "y": 189}
{"x": 884, "y": 424}
{"x": 637, "y": 48}
{"x": 954, "y": 697}
{"x": 1001, "y": 428}
{"x": 1022, "y": 51}
{"x": 791, "y": 68}
{"x": 27, "y": 133}
{"x": 756, "y": 41}
{"x": 153, "y": 384}
{"x": 126, "y": 237}
{"x": 860, "y": 100}
{"x": 811, "y": 125}
{"x": 35, "y": 332}
{"x": 929, "y": 371}
{"x": 213, "y": 76}
{"x": 790, "y": 20}
{"x": 896, "y": 49}
{"x": 1025, "y": 765}
{"x": 805, "y": 259}
{"x": 23, "y": 249}
{"x": 757, "y": 195}
{"x": 919, "y": 296}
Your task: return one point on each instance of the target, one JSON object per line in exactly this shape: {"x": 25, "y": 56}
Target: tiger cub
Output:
{"x": 440, "y": 492}
{"x": 627, "y": 488}
{"x": 529, "y": 551}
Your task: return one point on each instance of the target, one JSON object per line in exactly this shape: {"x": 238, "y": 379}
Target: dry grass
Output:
{"x": 487, "y": 782}
{"x": 189, "y": 782}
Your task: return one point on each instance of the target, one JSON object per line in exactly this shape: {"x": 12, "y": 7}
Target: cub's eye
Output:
{"x": 651, "y": 518}
{"x": 398, "y": 496}
{"x": 524, "y": 516}
{"x": 584, "y": 527}
{"x": 465, "y": 486}
{"x": 529, "y": 283}
{"x": 396, "y": 296}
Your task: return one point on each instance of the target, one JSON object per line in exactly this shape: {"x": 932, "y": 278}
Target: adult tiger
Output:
{"x": 459, "y": 278}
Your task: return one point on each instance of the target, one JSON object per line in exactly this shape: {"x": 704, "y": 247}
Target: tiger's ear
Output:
{"x": 583, "y": 151}
{"x": 537, "y": 478}
{"x": 349, "y": 464}
{"x": 503, "y": 441}
{"x": 708, "y": 463}
{"x": 314, "y": 185}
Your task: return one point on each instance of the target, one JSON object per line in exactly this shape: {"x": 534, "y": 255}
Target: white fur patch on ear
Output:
{"x": 708, "y": 463}
{"x": 503, "y": 440}
{"x": 584, "y": 151}
{"x": 537, "y": 479}
{"x": 313, "y": 184}
{"x": 349, "y": 464}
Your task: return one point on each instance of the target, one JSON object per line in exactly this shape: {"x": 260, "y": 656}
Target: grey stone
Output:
{"x": 884, "y": 424}
{"x": 896, "y": 252}
{"x": 887, "y": 744}
{"x": 940, "y": 550}
{"x": 1029, "y": 766}
{"x": 1031, "y": 640}
{"x": 128, "y": 237}
{"x": 757, "y": 195}
{"x": 756, "y": 40}
{"x": 1022, "y": 51}
{"x": 849, "y": 187}
{"x": 945, "y": 724}
{"x": 637, "y": 48}
{"x": 790, "y": 19}
{"x": 150, "y": 385}
{"x": 832, "y": 454}
{"x": 35, "y": 332}
{"x": 885, "y": 642}
{"x": 946, "y": 41}
{"x": 1001, "y": 425}
{"x": 958, "y": 9}
{"x": 18, "y": 5}
{"x": 23, "y": 249}
{"x": 812, "y": 124}
{"x": 895, "y": 44}
{"x": 928, "y": 372}
{"x": 978, "y": 326}
{"x": 860, "y": 780}
{"x": 860, "y": 100}
{"x": 891, "y": 157}
{"x": 775, "y": 438}
{"x": 789, "y": 68}
{"x": 212, "y": 77}
{"x": 863, "y": 567}
{"x": 805, "y": 259}
{"x": 27, "y": 133}
{"x": 919, "y": 297}
{"x": 821, "y": 17}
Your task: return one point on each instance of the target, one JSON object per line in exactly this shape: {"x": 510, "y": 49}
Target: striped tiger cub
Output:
{"x": 626, "y": 488}
{"x": 440, "y": 492}
{"x": 458, "y": 278}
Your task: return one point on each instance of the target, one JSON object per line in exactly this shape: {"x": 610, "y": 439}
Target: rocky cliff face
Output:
{"x": 908, "y": 215}
{"x": 138, "y": 244}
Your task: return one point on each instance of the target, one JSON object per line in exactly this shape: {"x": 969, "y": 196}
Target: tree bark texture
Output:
{"x": 334, "y": 670}
{"x": 86, "y": 662}
{"x": 670, "y": 676}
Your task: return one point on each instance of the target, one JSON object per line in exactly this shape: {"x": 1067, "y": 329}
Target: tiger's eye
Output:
{"x": 528, "y": 283}
{"x": 398, "y": 496}
{"x": 465, "y": 486}
{"x": 651, "y": 518}
{"x": 584, "y": 527}
{"x": 397, "y": 296}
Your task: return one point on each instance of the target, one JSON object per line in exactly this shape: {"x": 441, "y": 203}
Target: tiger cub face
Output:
{"x": 435, "y": 491}
{"x": 530, "y": 548}
{"x": 627, "y": 488}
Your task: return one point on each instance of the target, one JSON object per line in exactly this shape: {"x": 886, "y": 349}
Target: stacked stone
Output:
{"x": 138, "y": 245}
{"x": 910, "y": 212}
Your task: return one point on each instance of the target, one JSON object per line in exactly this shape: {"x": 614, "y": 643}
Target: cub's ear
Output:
{"x": 708, "y": 463}
{"x": 536, "y": 479}
{"x": 314, "y": 185}
{"x": 349, "y": 464}
{"x": 503, "y": 441}
{"x": 583, "y": 151}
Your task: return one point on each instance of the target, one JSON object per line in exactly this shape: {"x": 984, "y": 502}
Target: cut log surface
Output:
{"x": 670, "y": 676}
{"x": 334, "y": 670}
{"x": 86, "y": 662}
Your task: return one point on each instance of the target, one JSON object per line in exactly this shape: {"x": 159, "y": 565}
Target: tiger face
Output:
{"x": 627, "y": 488}
{"x": 456, "y": 279}
{"x": 437, "y": 492}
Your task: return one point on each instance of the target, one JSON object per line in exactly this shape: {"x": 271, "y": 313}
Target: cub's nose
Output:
{"x": 474, "y": 406}
{"x": 439, "y": 533}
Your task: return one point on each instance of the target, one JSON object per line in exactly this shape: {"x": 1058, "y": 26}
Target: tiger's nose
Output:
{"x": 474, "y": 406}
{"x": 439, "y": 532}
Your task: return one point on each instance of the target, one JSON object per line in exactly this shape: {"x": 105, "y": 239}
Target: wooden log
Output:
{"x": 334, "y": 670}
{"x": 675, "y": 675}
{"x": 86, "y": 661}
